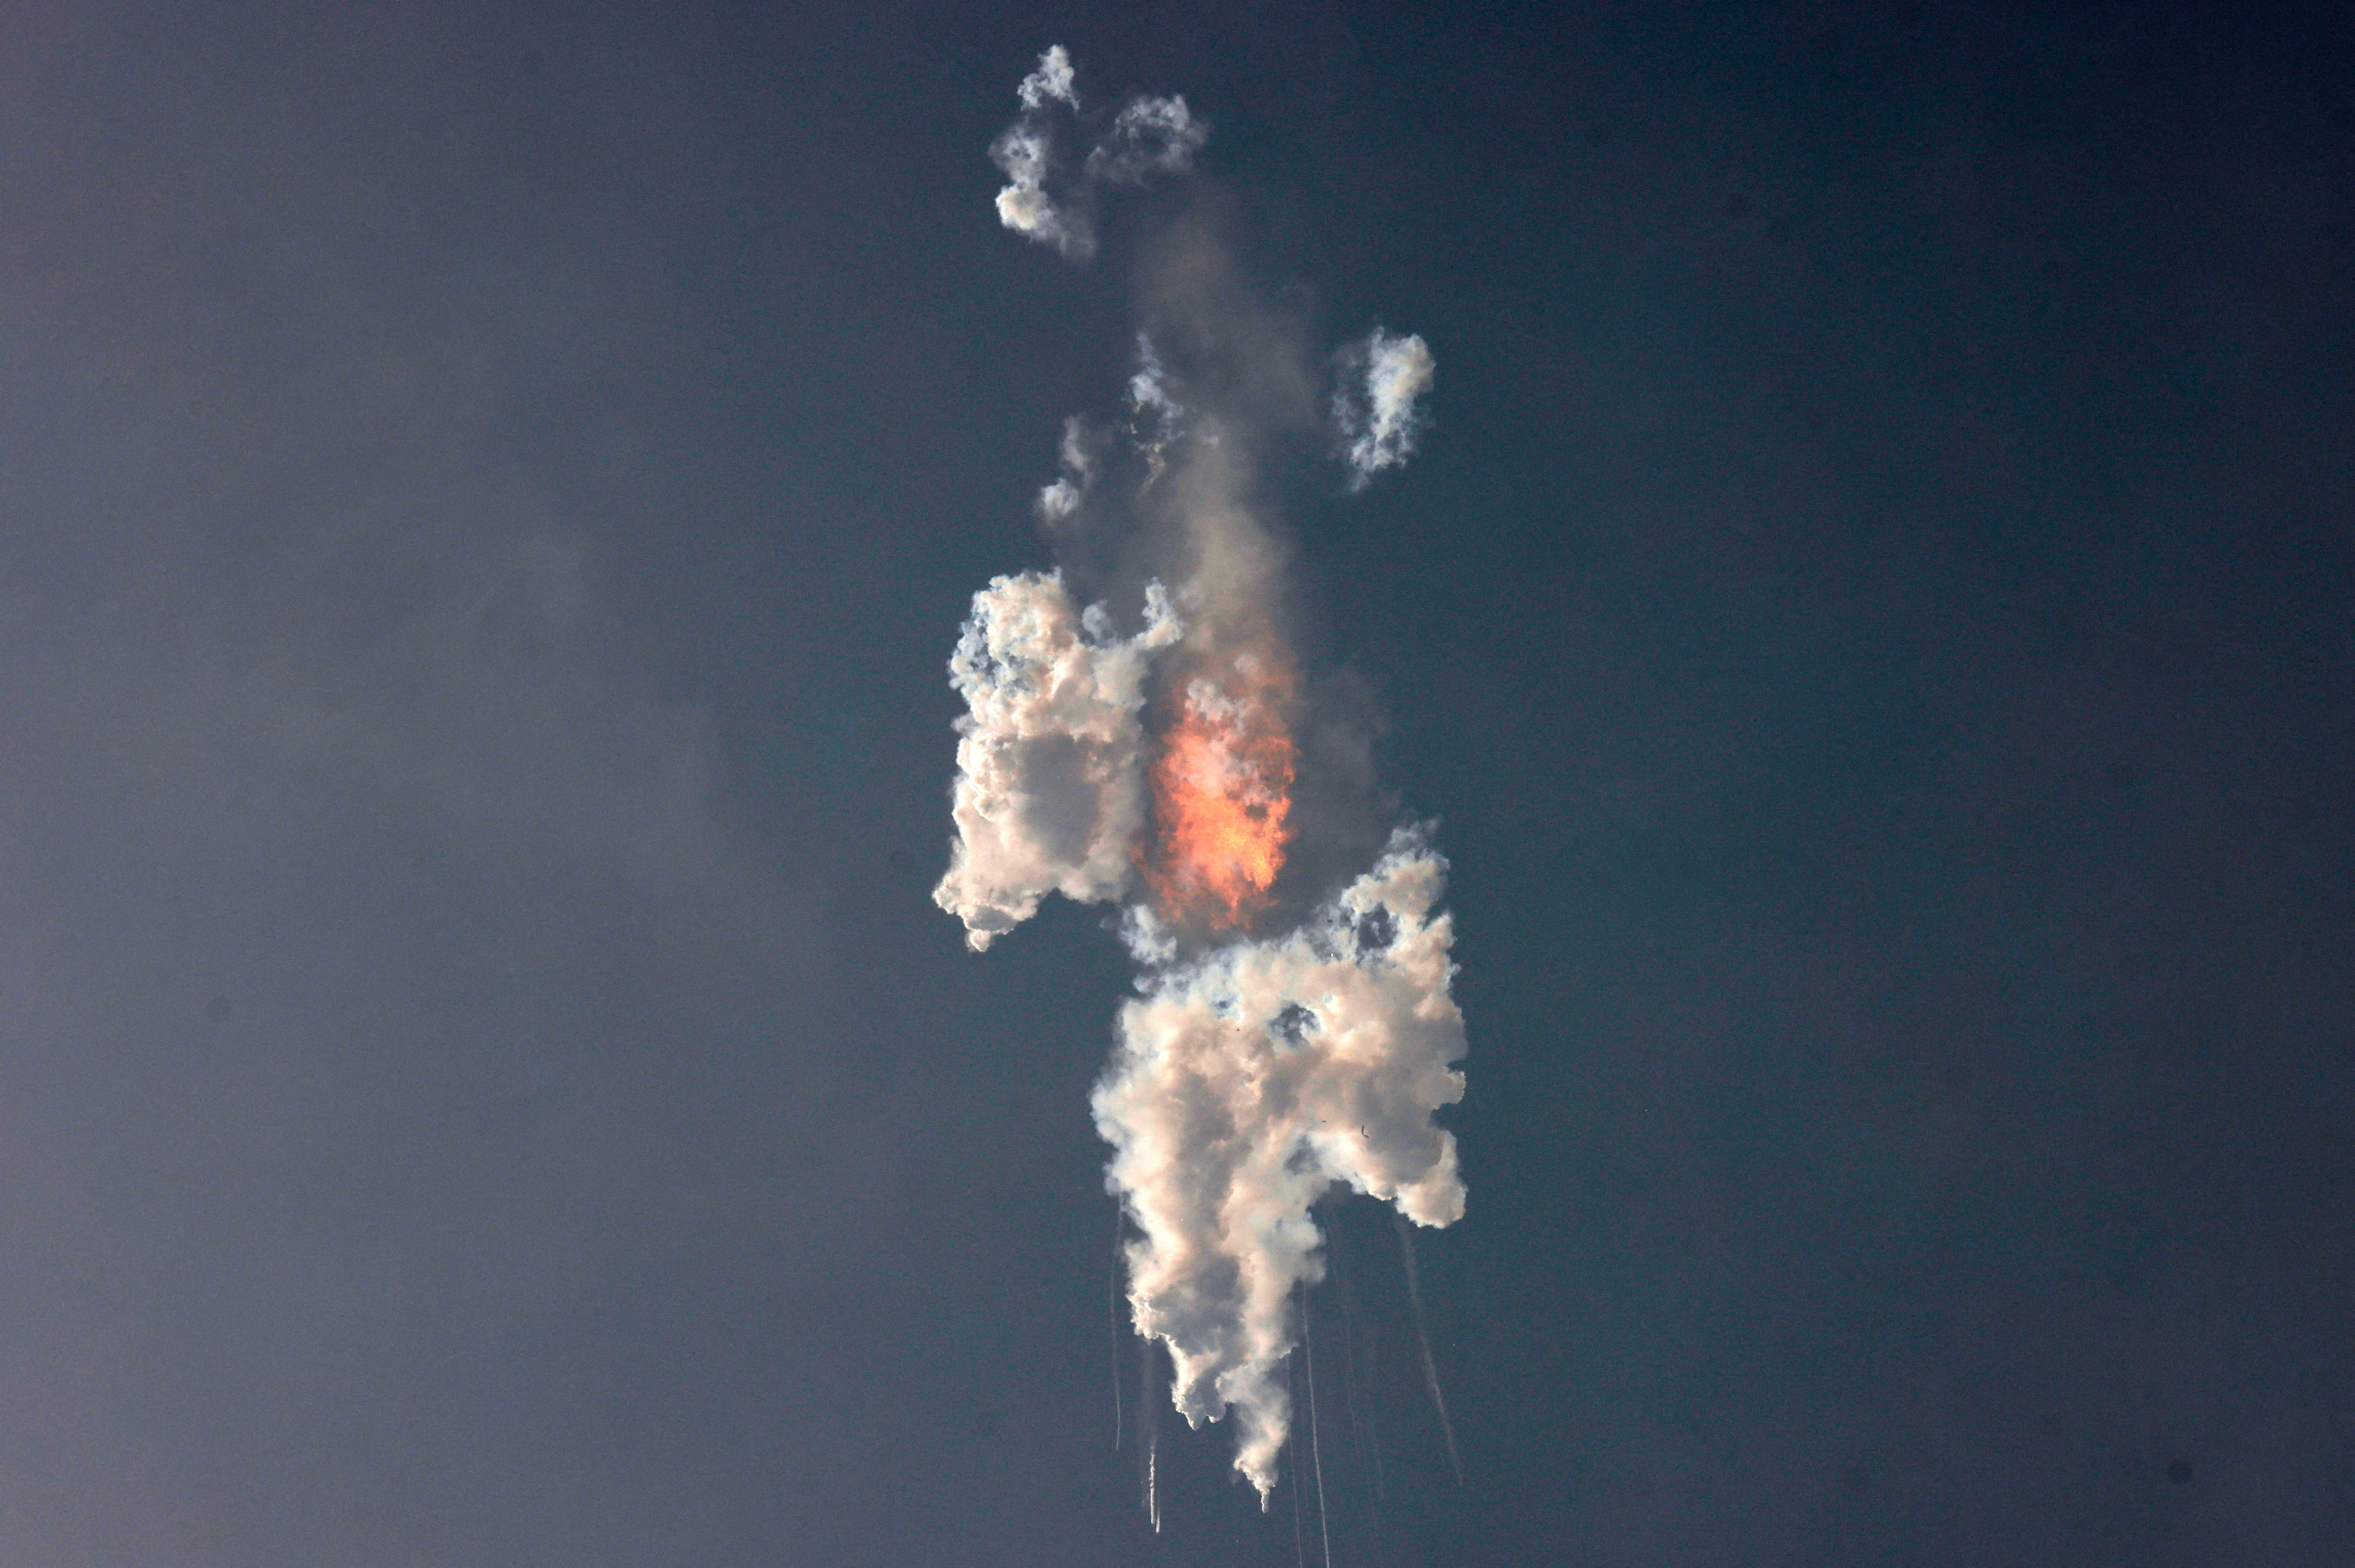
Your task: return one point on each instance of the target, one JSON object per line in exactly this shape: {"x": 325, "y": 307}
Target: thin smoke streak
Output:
{"x": 1373, "y": 1425}
{"x": 1316, "y": 1444}
{"x": 1291, "y": 1390}
{"x": 1353, "y": 1393}
{"x": 1422, "y": 1337}
{"x": 1150, "y": 1414}
{"x": 1348, "y": 1354}
{"x": 1112, "y": 1308}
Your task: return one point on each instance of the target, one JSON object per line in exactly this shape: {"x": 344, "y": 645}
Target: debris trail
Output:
{"x": 1148, "y": 1452}
{"x": 1422, "y": 1337}
{"x": 1316, "y": 1444}
{"x": 1112, "y": 1308}
{"x": 1369, "y": 1470}
{"x": 1349, "y": 1359}
{"x": 1299, "y": 1558}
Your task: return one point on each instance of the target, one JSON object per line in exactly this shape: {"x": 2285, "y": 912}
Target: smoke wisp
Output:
{"x": 1247, "y": 1082}
{"x": 1149, "y": 137}
{"x": 1422, "y": 1343}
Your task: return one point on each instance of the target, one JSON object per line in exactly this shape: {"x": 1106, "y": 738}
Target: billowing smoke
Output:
{"x": 1146, "y": 753}
{"x": 1249, "y": 1080}
{"x": 1149, "y": 137}
{"x": 1048, "y": 793}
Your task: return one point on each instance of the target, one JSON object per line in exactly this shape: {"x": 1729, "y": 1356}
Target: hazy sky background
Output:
{"x": 486, "y": 495}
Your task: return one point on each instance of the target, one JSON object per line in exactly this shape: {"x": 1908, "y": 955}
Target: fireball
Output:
{"x": 1222, "y": 795}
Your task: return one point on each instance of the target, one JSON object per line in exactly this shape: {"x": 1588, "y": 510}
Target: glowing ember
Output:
{"x": 1222, "y": 794}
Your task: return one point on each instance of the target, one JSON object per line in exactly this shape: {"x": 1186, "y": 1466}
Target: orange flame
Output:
{"x": 1222, "y": 794}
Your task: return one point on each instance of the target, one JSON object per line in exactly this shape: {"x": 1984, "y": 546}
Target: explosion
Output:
{"x": 1149, "y": 761}
{"x": 1222, "y": 797}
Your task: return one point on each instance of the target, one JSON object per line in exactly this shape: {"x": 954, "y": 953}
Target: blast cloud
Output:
{"x": 1254, "y": 1070}
{"x": 1151, "y": 136}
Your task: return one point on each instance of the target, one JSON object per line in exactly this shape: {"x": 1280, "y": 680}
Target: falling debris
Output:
{"x": 1299, "y": 1554}
{"x": 1423, "y": 1339}
{"x": 1148, "y": 1405}
{"x": 1369, "y": 1462}
{"x": 1316, "y": 1442}
{"x": 1112, "y": 1305}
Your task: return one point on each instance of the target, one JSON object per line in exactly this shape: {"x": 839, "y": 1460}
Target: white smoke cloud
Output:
{"x": 1050, "y": 794}
{"x": 1060, "y": 498}
{"x": 1374, "y": 407}
{"x": 1150, "y": 137}
{"x": 1050, "y": 81}
{"x": 1148, "y": 389}
{"x": 1248, "y": 1083}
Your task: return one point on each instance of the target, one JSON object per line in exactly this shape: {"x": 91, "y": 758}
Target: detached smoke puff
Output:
{"x": 1050, "y": 81}
{"x": 1060, "y": 499}
{"x": 1248, "y": 1083}
{"x": 1375, "y": 405}
{"x": 1024, "y": 154}
{"x": 1151, "y": 136}
{"x": 1049, "y": 790}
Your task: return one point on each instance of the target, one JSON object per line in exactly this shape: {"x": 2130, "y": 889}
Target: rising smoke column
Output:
{"x": 1255, "y": 1070}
